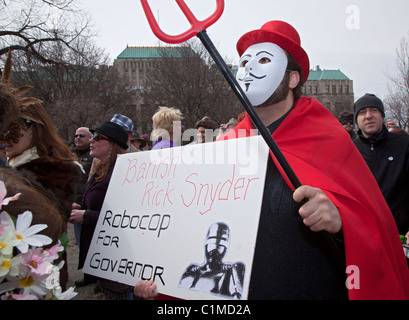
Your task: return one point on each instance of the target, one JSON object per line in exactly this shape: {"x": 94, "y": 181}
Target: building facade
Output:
{"x": 332, "y": 88}
{"x": 133, "y": 65}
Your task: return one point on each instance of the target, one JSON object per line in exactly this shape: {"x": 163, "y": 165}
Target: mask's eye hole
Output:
{"x": 264, "y": 60}
{"x": 243, "y": 63}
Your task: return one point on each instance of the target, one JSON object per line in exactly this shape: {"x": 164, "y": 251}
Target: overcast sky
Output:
{"x": 359, "y": 37}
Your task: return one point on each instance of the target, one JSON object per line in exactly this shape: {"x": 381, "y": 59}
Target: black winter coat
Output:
{"x": 387, "y": 155}
{"x": 94, "y": 196}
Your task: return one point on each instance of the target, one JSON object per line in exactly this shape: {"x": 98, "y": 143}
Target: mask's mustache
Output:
{"x": 254, "y": 76}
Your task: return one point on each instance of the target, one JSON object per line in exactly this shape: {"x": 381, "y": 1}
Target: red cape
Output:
{"x": 322, "y": 155}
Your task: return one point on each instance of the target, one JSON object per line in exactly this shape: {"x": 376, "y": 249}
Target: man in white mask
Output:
{"x": 295, "y": 258}
{"x": 318, "y": 241}
{"x": 262, "y": 68}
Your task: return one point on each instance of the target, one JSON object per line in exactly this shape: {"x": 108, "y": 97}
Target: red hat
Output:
{"x": 391, "y": 124}
{"x": 283, "y": 35}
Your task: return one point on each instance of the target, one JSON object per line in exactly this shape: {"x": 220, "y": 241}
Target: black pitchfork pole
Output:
{"x": 198, "y": 28}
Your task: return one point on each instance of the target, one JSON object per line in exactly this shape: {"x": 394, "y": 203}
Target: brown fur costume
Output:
{"x": 57, "y": 177}
{"x": 33, "y": 198}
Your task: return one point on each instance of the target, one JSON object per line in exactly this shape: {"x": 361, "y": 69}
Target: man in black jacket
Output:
{"x": 81, "y": 150}
{"x": 387, "y": 155}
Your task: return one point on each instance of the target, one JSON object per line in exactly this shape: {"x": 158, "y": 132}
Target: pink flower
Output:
{"x": 3, "y": 192}
{"x": 12, "y": 296}
{"x": 54, "y": 250}
{"x": 37, "y": 260}
{"x": 40, "y": 261}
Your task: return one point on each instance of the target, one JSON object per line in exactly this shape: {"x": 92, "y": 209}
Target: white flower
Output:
{"x": 28, "y": 283}
{"x": 7, "y": 243}
{"x": 9, "y": 266}
{"x": 6, "y": 223}
{"x": 66, "y": 295}
{"x": 53, "y": 280}
{"x": 27, "y": 235}
{"x": 5, "y": 264}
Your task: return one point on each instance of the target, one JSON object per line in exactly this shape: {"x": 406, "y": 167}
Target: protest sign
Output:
{"x": 186, "y": 217}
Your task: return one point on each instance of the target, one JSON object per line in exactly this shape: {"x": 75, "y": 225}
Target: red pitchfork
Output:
{"x": 198, "y": 28}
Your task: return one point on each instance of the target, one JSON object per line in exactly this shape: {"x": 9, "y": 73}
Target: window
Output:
{"x": 340, "y": 89}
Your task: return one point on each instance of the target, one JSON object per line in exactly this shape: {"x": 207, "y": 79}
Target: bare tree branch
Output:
{"x": 86, "y": 92}
{"x": 34, "y": 26}
{"x": 191, "y": 83}
{"x": 397, "y": 102}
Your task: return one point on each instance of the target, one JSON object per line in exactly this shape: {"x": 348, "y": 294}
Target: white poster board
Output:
{"x": 165, "y": 208}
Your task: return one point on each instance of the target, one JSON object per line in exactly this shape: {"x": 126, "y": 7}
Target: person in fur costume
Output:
{"x": 42, "y": 168}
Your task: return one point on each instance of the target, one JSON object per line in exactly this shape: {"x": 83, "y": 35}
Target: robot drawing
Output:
{"x": 214, "y": 275}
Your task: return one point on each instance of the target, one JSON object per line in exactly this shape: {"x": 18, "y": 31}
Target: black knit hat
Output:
{"x": 114, "y": 132}
{"x": 369, "y": 100}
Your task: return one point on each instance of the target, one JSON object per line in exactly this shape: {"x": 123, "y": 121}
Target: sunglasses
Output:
{"x": 81, "y": 135}
{"x": 344, "y": 122}
{"x": 97, "y": 137}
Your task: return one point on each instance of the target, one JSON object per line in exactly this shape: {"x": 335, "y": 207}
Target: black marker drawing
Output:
{"x": 214, "y": 275}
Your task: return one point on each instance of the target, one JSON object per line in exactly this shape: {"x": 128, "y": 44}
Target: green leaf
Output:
{"x": 64, "y": 242}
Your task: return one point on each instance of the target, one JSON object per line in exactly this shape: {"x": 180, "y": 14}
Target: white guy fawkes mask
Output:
{"x": 262, "y": 68}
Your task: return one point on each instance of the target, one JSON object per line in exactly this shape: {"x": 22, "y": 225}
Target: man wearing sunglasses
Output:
{"x": 346, "y": 118}
{"x": 81, "y": 140}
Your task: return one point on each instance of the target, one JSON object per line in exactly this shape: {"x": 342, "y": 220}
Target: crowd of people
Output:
{"x": 350, "y": 210}
{"x": 71, "y": 183}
